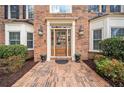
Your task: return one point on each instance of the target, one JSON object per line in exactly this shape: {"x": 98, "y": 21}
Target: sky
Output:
{"x": 62, "y": 2}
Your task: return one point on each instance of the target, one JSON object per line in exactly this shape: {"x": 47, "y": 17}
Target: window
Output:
{"x": 14, "y": 38}
{"x": 93, "y": 8}
{"x": 115, "y": 8}
{"x": 61, "y": 9}
{"x": 117, "y": 32}
{"x": 29, "y": 40}
{"x": 103, "y": 8}
{"x": 97, "y": 37}
{"x": 30, "y": 10}
{"x": 14, "y": 11}
{"x": 11, "y": 11}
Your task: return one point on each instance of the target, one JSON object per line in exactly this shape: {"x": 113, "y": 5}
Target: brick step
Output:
{"x": 61, "y": 58}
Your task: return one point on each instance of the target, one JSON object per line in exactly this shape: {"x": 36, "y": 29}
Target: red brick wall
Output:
{"x": 82, "y": 43}
{"x": 2, "y": 28}
{"x": 40, "y": 46}
{"x": 30, "y": 53}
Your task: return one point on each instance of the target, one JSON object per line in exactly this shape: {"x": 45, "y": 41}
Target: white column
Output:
{"x": 122, "y": 8}
{"x": 26, "y": 11}
{"x": 91, "y": 38}
{"x": 67, "y": 41}
{"x": 23, "y": 35}
{"x": 73, "y": 41}
{"x": 100, "y": 8}
{"x": 48, "y": 42}
{"x": 54, "y": 40}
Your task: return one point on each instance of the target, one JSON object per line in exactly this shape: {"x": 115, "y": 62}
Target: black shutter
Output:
{"x": 17, "y": 16}
{"x": 6, "y": 11}
{"x": 24, "y": 11}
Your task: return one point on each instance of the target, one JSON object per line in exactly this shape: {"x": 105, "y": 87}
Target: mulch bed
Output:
{"x": 10, "y": 79}
{"x": 92, "y": 65}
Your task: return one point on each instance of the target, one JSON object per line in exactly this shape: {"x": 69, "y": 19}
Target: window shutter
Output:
{"x": 17, "y": 12}
{"x": 24, "y": 11}
{"x": 6, "y": 11}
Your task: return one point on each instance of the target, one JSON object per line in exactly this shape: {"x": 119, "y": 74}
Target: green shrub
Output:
{"x": 113, "y": 48}
{"x": 112, "y": 69}
{"x": 99, "y": 57}
{"x": 12, "y": 50}
{"x": 12, "y": 58}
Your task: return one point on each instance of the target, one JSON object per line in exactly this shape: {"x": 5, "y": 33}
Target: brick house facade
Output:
{"x": 49, "y": 22}
{"x": 80, "y": 12}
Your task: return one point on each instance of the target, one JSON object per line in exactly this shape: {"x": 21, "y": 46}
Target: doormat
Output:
{"x": 61, "y": 61}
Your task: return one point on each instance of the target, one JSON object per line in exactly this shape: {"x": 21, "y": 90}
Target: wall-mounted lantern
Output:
{"x": 81, "y": 30}
{"x": 40, "y": 31}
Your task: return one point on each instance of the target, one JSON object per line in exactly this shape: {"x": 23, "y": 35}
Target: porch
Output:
{"x": 52, "y": 74}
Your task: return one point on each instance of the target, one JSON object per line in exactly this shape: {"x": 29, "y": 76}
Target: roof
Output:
{"x": 20, "y": 20}
{"x": 105, "y": 15}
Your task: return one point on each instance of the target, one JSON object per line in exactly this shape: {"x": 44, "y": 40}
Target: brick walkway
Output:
{"x": 51, "y": 74}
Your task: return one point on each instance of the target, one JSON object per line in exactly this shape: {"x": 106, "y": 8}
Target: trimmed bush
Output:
{"x": 12, "y": 50}
{"x": 12, "y": 58}
{"x": 111, "y": 69}
{"x": 113, "y": 48}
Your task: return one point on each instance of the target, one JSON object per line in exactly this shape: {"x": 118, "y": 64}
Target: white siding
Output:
{"x": 23, "y": 28}
{"x": 105, "y": 23}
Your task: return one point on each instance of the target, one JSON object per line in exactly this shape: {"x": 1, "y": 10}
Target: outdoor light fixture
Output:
{"x": 40, "y": 31}
{"x": 81, "y": 30}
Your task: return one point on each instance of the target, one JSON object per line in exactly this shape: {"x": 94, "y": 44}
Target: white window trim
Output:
{"x": 114, "y": 27}
{"x": 91, "y": 40}
{"x": 27, "y": 13}
{"x": 49, "y": 37}
{"x": 50, "y": 8}
{"x": 122, "y": 8}
{"x": 23, "y": 35}
{"x": 33, "y": 40}
{"x": 9, "y": 13}
{"x": 8, "y": 43}
{"x": 27, "y": 17}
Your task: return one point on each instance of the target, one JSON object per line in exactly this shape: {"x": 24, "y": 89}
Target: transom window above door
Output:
{"x": 59, "y": 25}
{"x": 60, "y": 9}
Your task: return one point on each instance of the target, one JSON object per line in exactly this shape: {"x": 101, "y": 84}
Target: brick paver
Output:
{"x": 51, "y": 74}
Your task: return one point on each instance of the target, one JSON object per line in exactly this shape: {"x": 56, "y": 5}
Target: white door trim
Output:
{"x": 49, "y": 37}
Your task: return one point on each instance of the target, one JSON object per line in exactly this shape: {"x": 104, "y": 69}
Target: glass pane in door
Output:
{"x": 52, "y": 42}
{"x": 61, "y": 42}
{"x": 69, "y": 42}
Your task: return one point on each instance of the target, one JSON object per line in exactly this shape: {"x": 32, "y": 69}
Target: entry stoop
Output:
{"x": 61, "y": 58}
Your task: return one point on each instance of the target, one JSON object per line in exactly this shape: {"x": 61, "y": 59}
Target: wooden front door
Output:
{"x": 61, "y": 42}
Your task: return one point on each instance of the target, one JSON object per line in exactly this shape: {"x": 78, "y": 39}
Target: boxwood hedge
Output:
{"x": 113, "y": 48}
{"x": 12, "y": 50}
